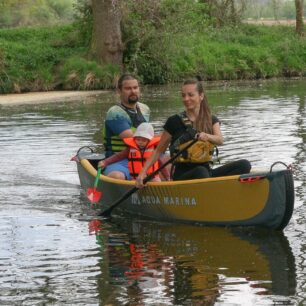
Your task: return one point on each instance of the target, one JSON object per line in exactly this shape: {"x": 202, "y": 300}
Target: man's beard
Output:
{"x": 133, "y": 99}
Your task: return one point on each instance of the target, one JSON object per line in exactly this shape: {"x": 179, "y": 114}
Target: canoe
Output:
{"x": 261, "y": 198}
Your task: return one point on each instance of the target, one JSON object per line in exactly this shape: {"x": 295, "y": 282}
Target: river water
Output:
{"x": 54, "y": 251}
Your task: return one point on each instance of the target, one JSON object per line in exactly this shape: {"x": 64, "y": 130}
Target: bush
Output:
{"x": 31, "y": 57}
{"x": 161, "y": 51}
{"x": 81, "y": 74}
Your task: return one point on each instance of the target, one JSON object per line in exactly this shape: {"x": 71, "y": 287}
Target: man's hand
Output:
{"x": 101, "y": 164}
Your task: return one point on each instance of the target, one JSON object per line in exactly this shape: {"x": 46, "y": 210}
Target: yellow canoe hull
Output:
{"x": 262, "y": 199}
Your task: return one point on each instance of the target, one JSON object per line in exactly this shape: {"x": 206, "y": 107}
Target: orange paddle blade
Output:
{"x": 93, "y": 195}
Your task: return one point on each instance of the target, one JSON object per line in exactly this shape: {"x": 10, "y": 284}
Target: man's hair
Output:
{"x": 125, "y": 77}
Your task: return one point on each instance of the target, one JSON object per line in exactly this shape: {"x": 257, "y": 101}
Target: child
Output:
{"x": 140, "y": 148}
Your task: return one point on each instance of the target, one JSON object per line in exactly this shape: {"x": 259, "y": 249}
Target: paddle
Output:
{"x": 92, "y": 193}
{"x": 108, "y": 211}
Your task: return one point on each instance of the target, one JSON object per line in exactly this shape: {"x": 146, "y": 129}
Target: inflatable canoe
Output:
{"x": 264, "y": 199}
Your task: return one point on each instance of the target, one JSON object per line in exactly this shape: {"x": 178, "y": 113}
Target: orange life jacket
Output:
{"x": 137, "y": 157}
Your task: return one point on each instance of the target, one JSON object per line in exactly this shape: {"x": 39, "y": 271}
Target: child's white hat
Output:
{"x": 145, "y": 130}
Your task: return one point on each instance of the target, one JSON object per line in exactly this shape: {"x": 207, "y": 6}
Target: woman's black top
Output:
{"x": 175, "y": 126}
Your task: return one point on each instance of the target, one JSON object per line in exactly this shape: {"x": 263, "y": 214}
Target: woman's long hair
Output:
{"x": 203, "y": 122}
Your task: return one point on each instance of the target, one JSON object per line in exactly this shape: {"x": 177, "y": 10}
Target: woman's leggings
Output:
{"x": 183, "y": 172}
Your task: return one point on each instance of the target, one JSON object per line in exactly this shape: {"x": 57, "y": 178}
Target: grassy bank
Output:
{"x": 39, "y": 59}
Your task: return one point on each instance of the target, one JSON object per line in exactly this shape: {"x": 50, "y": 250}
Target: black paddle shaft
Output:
{"x": 108, "y": 211}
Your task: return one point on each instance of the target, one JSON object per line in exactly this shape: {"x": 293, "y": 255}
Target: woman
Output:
{"x": 195, "y": 122}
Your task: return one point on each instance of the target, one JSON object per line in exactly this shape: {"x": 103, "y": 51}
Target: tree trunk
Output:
{"x": 275, "y": 4}
{"x": 299, "y": 17}
{"x": 106, "y": 44}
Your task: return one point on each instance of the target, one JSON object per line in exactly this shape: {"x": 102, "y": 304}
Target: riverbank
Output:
{"x": 47, "y": 97}
{"x": 54, "y": 58}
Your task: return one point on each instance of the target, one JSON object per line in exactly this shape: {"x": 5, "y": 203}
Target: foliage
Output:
{"x": 83, "y": 20}
{"x": 16, "y": 13}
{"x": 225, "y": 12}
{"x": 39, "y": 59}
{"x": 165, "y": 41}
{"x": 252, "y": 52}
{"x": 30, "y": 56}
{"x": 81, "y": 74}
{"x": 154, "y": 32}
{"x": 271, "y": 9}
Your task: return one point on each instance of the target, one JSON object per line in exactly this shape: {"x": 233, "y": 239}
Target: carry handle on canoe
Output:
{"x": 108, "y": 211}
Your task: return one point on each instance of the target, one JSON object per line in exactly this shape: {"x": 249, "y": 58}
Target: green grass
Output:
{"x": 48, "y": 58}
{"x": 30, "y": 56}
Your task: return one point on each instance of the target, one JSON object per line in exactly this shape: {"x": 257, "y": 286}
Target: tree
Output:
{"x": 225, "y": 12}
{"x": 299, "y": 17}
{"x": 106, "y": 43}
{"x": 276, "y": 9}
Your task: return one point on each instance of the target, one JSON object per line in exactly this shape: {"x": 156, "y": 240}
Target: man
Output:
{"x": 121, "y": 121}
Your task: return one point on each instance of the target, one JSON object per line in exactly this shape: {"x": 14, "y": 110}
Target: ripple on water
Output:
{"x": 46, "y": 257}
{"x": 51, "y": 254}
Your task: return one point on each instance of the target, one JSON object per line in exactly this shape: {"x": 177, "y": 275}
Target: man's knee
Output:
{"x": 117, "y": 175}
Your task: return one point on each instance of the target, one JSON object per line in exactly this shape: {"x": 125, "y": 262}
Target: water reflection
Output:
{"x": 166, "y": 264}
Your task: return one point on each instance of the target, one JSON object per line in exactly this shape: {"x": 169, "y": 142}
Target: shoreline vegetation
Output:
{"x": 47, "y": 59}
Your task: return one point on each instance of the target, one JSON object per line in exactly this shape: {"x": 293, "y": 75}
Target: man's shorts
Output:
{"x": 121, "y": 166}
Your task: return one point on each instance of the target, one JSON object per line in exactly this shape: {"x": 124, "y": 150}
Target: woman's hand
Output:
{"x": 215, "y": 138}
{"x": 139, "y": 180}
{"x": 101, "y": 164}
{"x": 203, "y": 136}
